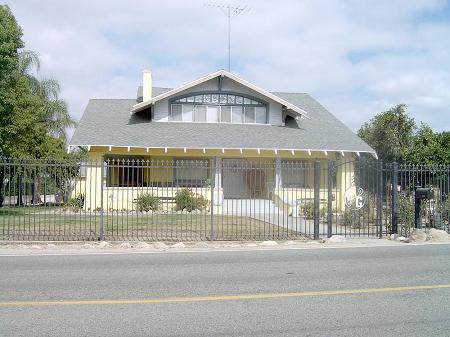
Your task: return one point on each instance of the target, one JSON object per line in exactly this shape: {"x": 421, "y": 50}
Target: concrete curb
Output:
{"x": 128, "y": 247}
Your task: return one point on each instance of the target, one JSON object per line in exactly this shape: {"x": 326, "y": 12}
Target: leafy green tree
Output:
{"x": 444, "y": 152}
{"x": 426, "y": 147}
{"x": 33, "y": 117}
{"x": 390, "y": 133}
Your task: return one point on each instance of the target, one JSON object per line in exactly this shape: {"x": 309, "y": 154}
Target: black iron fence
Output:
{"x": 217, "y": 199}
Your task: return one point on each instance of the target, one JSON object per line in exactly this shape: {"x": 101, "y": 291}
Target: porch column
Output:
{"x": 278, "y": 178}
{"x": 217, "y": 176}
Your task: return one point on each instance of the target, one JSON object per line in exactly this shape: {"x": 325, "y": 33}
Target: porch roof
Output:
{"x": 107, "y": 122}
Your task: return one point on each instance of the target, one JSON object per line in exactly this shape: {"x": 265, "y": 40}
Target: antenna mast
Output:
{"x": 230, "y": 11}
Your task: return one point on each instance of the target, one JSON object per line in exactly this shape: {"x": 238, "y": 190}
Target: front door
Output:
{"x": 241, "y": 180}
{"x": 234, "y": 179}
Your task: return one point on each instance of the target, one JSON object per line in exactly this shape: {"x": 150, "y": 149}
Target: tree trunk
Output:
{"x": 36, "y": 200}
{"x": 19, "y": 190}
{"x": 2, "y": 178}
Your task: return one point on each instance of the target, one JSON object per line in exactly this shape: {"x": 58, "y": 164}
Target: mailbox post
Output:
{"x": 420, "y": 194}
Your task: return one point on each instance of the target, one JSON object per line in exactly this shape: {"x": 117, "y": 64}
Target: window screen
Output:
{"x": 188, "y": 112}
{"x": 212, "y": 113}
{"x": 294, "y": 173}
{"x": 200, "y": 113}
{"x": 177, "y": 112}
{"x": 191, "y": 173}
{"x": 260, "y": 115}
{"x": 225, "y": 114}
{"x": 237, "y": 114}
{"x": 249, "y": 115}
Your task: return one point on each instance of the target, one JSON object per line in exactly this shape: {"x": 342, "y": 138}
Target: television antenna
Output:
{"x": 231, "y": 11}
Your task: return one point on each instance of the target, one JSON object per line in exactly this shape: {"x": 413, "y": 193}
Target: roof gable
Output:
{"x": 143, "y": 105}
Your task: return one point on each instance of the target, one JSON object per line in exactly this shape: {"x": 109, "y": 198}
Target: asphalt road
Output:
{"x": 318, "y": 292}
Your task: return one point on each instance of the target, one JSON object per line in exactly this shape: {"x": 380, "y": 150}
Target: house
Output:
{"x": 220, "y": 135}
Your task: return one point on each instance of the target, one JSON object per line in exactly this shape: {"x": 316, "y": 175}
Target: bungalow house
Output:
{"x": 220, "y": 135}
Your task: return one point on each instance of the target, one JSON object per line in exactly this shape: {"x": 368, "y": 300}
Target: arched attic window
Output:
{"x": 218, "y": 107}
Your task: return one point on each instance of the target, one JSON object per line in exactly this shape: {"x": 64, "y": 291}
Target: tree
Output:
{"x": 390, "y": 133}
{"x": 33, "y": 118}
{"x": 426, "y": 147}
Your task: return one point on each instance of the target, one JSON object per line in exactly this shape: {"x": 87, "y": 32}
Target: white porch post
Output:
{"x": 217, "y": 176}
{"x": 278, "y": 178}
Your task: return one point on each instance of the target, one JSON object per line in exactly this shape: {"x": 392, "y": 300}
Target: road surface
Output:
{"x": 383, "y": 291}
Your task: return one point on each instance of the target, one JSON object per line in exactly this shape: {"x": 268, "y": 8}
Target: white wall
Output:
{"x": 161, "y": 113}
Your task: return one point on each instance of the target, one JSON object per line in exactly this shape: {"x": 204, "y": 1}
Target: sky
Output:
{"x": 357, "y": 58}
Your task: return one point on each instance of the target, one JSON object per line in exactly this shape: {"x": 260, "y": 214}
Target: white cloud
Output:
{"x": 356, "y": 57}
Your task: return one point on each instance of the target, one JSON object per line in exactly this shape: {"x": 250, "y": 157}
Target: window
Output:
{"x": 249, "y": 115}
{"x": 219, "y": 107}
{"x": 294, "y": 173}
{"x": 177, "y": 112}
{"x": 191, "y": 173}
{"x": 125, "y": 172}
{"x": 225, "y": 114}
{"x": 188, "y": 113}
{"x": 237, "y": 114}
{"x": 260, "y": 115}
{"x": 200, "y": 113}
{"x": 212, "y": 113}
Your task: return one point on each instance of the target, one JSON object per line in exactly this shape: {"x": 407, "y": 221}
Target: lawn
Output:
{"x": 49, "y": 223}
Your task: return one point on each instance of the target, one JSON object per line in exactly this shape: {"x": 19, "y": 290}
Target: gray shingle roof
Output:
{"x": 108, "y": 122}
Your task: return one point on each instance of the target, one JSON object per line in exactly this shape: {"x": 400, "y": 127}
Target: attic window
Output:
{"x": 221, "y": 107}
{"x": 220, "y": 99}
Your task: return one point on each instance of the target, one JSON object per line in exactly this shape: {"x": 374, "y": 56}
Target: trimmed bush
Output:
{"x": 147, "y": 202}
{"x": 308, "y": 210}
{"x": 77, "y": 202}
{"x": 185, "y": 199}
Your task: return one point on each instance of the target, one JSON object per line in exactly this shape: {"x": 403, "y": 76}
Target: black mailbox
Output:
{"x": 421, "y": 194}
{"x": 424, "y": 193}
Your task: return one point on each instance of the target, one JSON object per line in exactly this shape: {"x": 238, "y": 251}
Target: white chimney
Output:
{"x": 147, "y": 85}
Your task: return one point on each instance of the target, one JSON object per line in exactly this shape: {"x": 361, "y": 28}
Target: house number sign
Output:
{"x": 354, "y": 197}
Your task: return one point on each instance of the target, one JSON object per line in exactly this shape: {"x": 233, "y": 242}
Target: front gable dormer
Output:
{"x": 220, "y": 97}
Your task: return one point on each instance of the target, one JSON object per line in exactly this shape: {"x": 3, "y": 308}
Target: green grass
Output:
{"x": 39, "y": 223}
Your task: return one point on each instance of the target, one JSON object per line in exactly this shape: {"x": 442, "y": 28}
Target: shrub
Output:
{"x": 185, "y": 199}
{"x": 308, "y": 210}
{"x": 323, "y": 212}
{"x": 406, "y": 212}
{"x": 147, "y": 202}
{"x": 77, "y": 202}
{"x": 444, "y": 209}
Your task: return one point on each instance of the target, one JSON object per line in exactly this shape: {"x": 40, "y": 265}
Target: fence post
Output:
{"x": 380, "y": 199}
{"x": 394, "y": 222}
{"x": 330, "y": 199}
{"x": 102, "y": 173}
{"x": 213, "y": 183}
{"x": 316, "y": 198}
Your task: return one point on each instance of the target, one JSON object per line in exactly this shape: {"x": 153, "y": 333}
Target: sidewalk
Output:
{"x": 86, "y": 248}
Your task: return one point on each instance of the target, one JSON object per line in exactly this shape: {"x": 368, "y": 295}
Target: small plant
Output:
{"x": 185, "y": 199}
{"x": 308, "y": 210}
{"x": 77, "y": 202}
{"x": 147, "y": 202}
{"x": 444, "y": 209}
{"x": 406, "y": 212}
{"x": 323, "y": 212}
{"x": 348, "y": 218}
